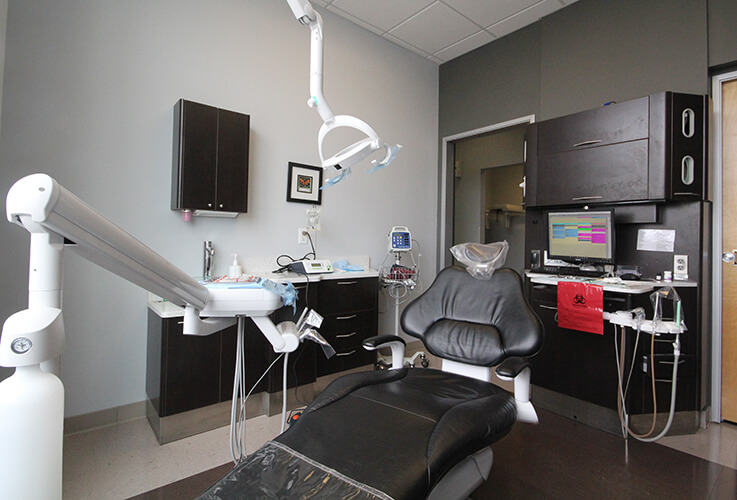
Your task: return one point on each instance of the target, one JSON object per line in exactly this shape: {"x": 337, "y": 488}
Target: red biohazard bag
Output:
{"x": 581, "y": 306}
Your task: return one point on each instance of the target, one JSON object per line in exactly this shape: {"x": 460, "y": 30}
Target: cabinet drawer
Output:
{"x": 343, "y": 323}
{"x": 603, "y": 174}
{"x": 623, "y": 122}
{"x": 348, "y": 340}
{"x": 346, "y": 295}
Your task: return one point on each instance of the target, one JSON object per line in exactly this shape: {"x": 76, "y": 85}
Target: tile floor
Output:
{"x": 126, "y": 460}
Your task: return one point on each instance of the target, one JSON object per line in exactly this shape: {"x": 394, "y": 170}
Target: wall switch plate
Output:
{"x": 302, "y": 236}
{"x": 680, "y": 267}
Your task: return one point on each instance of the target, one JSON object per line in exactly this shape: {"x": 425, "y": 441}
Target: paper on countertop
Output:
{"x": 656, "y": 240}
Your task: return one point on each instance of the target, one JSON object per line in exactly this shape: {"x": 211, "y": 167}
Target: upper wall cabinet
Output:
{"x": 210, "y": 167}
{"x": 652, "y": 148}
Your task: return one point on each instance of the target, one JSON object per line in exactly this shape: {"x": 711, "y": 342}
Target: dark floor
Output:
{"x": 563, "y": 459}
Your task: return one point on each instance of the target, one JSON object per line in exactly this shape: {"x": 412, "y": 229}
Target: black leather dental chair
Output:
{"x": 411, "y": 433}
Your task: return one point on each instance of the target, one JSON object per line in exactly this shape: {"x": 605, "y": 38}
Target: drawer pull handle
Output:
{"x": 346, "y": 353}
{"x": 688, "y": 122}
{"x": 345, "y": 335}
{"x": 686, "y": 194}
{"x": 663, "y": 362}
{"x": 341, "y": 318}
{"x": 551, "y": 308}
{"x": 582, "y": 198}
{"x": 303, "y": 287}
{"x": 347, "y": 282}
{"x": 687, "y": 170}
{"x": 587, "y": 143}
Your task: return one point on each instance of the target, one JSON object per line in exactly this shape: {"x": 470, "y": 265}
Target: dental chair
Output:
{"x": 408, "y": 433}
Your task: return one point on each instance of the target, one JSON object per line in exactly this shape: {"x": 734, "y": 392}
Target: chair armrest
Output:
{"x": 518, "y": 369}
{"x": 379, "y": 341}
{"x": 511, "y": 367}
{"x": 396, "y": 343}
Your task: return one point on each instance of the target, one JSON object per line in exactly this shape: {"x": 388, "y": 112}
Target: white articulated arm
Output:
{"x": 361, "y": 149}
{"x": 32, "y": 399}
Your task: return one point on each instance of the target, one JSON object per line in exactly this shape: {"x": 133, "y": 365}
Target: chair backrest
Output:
{"x": 474, "y": 321}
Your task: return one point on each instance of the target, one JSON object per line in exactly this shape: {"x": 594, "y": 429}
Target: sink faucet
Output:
{"x": 207, "y": 263}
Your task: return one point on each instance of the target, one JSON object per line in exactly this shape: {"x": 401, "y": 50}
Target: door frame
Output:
{"x": 445, "y": 236}
{"x": 716, "y": 333}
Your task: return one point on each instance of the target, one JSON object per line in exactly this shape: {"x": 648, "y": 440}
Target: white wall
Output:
{"x": 88, "y": 94}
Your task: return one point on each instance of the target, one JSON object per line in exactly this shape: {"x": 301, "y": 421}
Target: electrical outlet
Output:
{"x": 680, "y": 267}
{"x": 302, "y": 236}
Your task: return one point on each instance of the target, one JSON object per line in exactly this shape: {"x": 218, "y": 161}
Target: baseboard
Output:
{"x": 105, "y": 418}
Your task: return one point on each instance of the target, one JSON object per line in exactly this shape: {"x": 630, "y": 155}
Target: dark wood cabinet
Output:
{"x": 210, "y": 158}
{"x": 651, "y": 148}
{"x": 583, "y": 365}
{"x": 349, "y": 307}
{"x": 186, "y": 372}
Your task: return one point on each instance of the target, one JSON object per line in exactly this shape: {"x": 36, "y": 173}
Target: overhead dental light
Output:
{"x": 349, "y": 156}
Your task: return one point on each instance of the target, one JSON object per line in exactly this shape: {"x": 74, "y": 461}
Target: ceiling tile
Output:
{"x": 404, "y": 44}
{"x": 467, "y": 45}
{"x": 384, "y": 14}
{"x": 356, "y": 20}
{"x": 486, "y": 12}
{"x": 524, "y": 18}
{"x": 435, "y": 28}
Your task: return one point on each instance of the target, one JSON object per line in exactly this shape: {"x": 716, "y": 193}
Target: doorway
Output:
{"x": 724, "y": 335}
{"x": 474, "y": 164}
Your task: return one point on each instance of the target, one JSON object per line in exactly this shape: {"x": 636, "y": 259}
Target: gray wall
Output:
{"x": 88, "y": 94}
{"x": 589, "y": 53}
{"x": 722, "y": 33}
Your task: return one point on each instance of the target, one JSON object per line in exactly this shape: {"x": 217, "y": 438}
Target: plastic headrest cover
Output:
{"x": 481, "y": 260}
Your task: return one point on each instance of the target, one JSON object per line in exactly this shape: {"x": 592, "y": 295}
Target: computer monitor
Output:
{"x": 581, "y": 237}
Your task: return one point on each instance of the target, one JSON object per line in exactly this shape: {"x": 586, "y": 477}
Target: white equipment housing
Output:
{"x": 32, "y": 399}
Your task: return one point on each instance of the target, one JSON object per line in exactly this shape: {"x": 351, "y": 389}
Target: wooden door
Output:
{"x": 729, "y": 239}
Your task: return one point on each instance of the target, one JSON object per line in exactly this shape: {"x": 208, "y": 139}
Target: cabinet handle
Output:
{"x": 209, "y": 205}
{"x": 582, "y": 198}
{"x": 340, "y": 318}
{"x": 551, "y": 308}
{"x": 687, "y": 170}
{"x": 686, "y": 194}
{"x": 663, "y": 362}
{"x": 346, "y": 353}
{"x": 345, "y": 335}
{"x": 688, "y": 123}
{"x": 221, "y": 205}
{"x": 303, "y": 287}
{"x": 347, "y": 282}
{"x": 587, "y": 143}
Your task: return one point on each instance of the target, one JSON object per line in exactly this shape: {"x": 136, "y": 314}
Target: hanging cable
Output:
{"x": 238, "y": 405}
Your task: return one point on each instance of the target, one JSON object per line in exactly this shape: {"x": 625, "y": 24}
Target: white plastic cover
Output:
{"x": 481, "y": 260}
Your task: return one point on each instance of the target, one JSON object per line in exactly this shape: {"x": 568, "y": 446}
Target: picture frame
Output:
{"x": 303, "y": 183}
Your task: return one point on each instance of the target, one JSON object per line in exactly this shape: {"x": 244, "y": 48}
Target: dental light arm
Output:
{"x": 361, "y": 149}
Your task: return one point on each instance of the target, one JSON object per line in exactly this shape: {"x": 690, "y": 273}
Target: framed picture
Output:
{"x": 303, "y": 183}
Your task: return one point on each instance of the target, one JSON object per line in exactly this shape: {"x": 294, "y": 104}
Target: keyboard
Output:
{"x": 570, "y": 271}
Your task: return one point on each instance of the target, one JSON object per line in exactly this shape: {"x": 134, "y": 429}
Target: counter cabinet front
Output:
{"x": 583, "y": 365}
{"x": 189, "y": 379}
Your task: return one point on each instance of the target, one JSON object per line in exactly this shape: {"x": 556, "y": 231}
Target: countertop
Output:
{"x": 165, "y": 309}
{"x": 619, "y": 286}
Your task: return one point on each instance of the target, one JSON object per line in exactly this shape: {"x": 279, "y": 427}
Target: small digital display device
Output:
{"x": 400, "y": 239}
{"x": 581, "y": 237}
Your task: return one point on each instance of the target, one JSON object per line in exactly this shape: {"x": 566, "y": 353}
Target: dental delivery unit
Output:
{"x": 32, "y": 399}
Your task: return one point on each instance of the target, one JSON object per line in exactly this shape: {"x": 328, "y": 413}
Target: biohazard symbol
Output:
{"x": 579, "y": 299}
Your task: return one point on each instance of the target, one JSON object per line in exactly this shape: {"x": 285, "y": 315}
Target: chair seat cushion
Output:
{"x": 426, "y": 422}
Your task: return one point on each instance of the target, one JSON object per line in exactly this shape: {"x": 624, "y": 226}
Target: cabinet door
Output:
{"x": 191, "y": 368}
{"x": 615, "y": 123}
{"x": 195, "y": 155}
{"x": 688, "y": 171}
{"x": 614, "y": 173}
{"x": 232, "y": 161}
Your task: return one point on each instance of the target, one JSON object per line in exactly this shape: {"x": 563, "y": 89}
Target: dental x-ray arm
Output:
{"x": 57, "y": 219}
{"x": 361, "y": 149}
